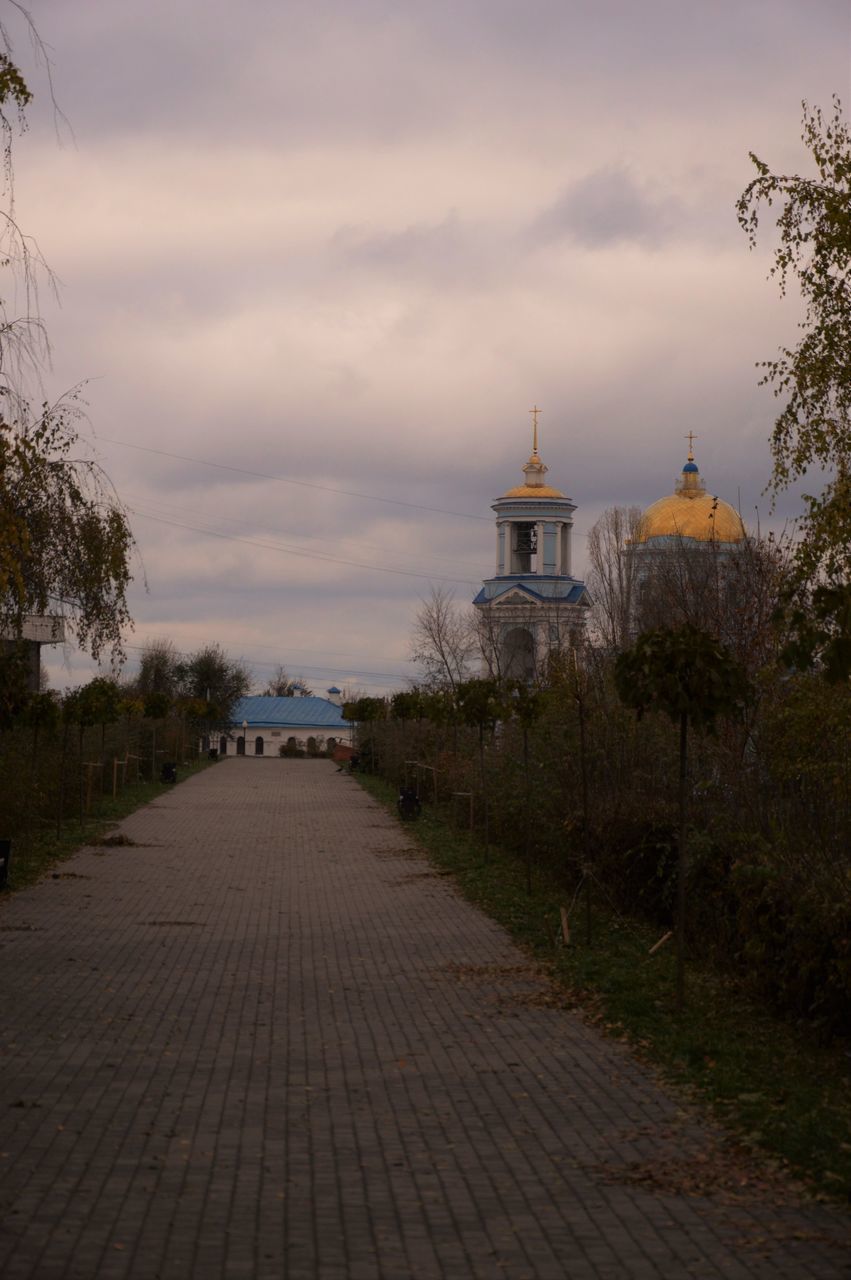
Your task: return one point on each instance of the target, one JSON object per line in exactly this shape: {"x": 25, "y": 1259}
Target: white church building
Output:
{"x": 260, "y": 726}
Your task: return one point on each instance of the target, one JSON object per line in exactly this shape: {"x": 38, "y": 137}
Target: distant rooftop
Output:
{"x": 288, "y": 713}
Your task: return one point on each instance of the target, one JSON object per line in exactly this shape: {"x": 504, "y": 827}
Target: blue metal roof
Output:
{"x": 537, "y": 586}
{"x": 289, "y": 713}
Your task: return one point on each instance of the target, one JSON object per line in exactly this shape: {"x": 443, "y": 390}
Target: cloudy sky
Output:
{"x": 318, "y": 260}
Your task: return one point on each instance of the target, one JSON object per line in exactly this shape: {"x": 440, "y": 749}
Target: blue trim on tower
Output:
{"x": 542, "y": 588}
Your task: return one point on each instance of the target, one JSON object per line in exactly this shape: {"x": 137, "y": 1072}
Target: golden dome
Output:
{"x": 533, "y": 491}
{"x": 691, "y": 513}
{"x": 534, "y": 471}
{"x": 704, "y": 518}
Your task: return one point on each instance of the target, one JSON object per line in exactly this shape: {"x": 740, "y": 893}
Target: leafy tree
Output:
{"x": 217, "y": 679}
{"x": 193, "y": 710}
{"x": 23, "y": 340}
{"x": 157, "y": 706}
{"x": 80, "y": 707}
{"x": 813, "y": 430}
{"x": 366, "y": 710}
{"x": 132, "y": 707}
{"x": 406, "y": 705}
{"x": 693, "y": 679}
{"x": 821, "y": 631}
{"x": 439, "y": 706}
{"x": 101, "y": 702}
{"x": 14, "y": 683}
{"x": 158, "y": 668}
{"x": 102, "y": 699}
{"x": 526, "y": 705}
{"x": 481, "y": 703}
{"x": 65, "y": 542}
{"x": 43, "y": 711}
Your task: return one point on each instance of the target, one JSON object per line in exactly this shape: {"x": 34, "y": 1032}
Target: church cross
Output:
{"x": 534, "y": 412}
{"x": 691, "y": 437}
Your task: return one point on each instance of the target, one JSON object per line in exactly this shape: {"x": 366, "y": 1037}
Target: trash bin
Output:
{"x": 169, "y": 772}
{"x": 5, "y": 859}
{"x": 408, "y": 804}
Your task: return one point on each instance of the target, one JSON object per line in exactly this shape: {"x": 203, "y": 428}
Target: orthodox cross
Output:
{"x": 534, "y": 412}
{"x": 691, "y": 437}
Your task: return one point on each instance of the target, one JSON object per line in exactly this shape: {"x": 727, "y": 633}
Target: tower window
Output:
{"x": 525, "y": 547}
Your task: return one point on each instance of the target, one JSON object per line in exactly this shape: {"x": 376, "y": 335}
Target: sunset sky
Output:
{"x": 317, "y": 261}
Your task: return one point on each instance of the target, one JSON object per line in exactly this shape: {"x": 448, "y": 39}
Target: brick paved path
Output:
{"x": 267, "y": 1042}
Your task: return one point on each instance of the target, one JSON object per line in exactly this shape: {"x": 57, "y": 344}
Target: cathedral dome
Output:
{"x": 691, "y": 512}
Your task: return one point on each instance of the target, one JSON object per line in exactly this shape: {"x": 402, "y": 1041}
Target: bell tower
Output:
{"x": 534, "y": 604}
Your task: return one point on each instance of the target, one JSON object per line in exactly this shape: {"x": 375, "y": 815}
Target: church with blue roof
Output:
{"x": 261, "y": 725}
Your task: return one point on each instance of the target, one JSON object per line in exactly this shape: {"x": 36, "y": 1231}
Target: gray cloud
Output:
{"x": 610, "y": 207}
{"x": 353, "y": 244}
{"x": 447, "y": 254}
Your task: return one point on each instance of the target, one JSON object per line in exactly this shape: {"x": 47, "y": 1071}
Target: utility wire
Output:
{"x": 170, "y": 508}
{"x": 294, "y": 551}
{"x": 304, "y": 484}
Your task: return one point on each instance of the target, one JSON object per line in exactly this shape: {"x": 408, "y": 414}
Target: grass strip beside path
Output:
{"x": 781, "y": 1094}
{"x": 37, "y": 854}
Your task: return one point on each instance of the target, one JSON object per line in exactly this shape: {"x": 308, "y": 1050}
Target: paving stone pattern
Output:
{"x": 267, "y": 1041}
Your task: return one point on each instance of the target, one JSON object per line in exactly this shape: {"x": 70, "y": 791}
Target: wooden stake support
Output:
{"x": 465, "y": 795}
{"x": 89, "y": 766}
{"x": 565, "y": 926}
{"x": 666, "y": 937}
{"x": 431, "y": 769}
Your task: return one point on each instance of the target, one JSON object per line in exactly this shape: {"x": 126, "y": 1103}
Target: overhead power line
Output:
{"x": 303, "y": 484}
{"x": 176, "y": 511}
{"x": 295, "y": 551}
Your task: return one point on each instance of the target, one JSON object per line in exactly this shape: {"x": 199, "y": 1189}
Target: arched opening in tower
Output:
{"x": 518, "y": 651}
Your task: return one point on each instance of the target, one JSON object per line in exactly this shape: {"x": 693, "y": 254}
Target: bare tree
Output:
{"x": 733, "y": 593}
{"x": 442, "y": 643}
{"x": 485, "y": 632}
{"x": 612, "y": 579}
{"x": 282, "y": 685}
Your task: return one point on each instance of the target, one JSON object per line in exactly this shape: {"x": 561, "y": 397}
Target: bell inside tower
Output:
{"x": 525, "y": 547}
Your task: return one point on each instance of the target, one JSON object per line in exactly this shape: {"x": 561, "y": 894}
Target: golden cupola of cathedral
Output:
{"x": 691, "y": 512}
